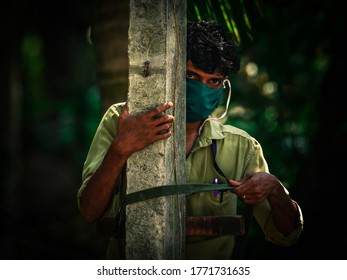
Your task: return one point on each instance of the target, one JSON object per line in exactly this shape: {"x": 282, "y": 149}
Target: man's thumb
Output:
{"x": 234, "y": 183}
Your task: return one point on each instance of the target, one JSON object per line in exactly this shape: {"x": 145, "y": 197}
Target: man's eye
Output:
{"x": 215, "y": 83}
{"x": 190, "y": 76}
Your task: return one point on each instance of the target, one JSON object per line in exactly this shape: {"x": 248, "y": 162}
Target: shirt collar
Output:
{"x": 212, "y": 130}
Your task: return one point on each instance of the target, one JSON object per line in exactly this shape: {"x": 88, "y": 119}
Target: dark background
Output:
{"x": 51, "y": 106}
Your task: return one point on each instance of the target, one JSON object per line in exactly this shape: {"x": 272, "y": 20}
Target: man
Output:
{"x": 210, "y": 58}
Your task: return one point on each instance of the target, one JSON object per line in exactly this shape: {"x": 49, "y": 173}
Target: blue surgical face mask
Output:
{"x": 201, "y": 100}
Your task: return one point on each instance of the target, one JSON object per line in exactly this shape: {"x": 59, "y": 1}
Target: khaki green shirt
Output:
{"x": 238, "y": 154}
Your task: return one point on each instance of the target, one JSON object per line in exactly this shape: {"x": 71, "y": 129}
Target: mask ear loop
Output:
{"x": 226, "y": 106}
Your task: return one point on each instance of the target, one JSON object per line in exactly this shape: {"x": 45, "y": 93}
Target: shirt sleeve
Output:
{"x": 102, "y": 140}
{"x": 263, "y": 215}
{"x": 263, "y": 211}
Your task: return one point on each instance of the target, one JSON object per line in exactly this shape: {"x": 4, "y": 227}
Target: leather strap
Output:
{"x": 173, "y": 190}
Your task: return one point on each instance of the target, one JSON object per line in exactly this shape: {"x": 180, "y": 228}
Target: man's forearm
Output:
{"x": 99, "y": 189}
{"x": 284, "y": 211}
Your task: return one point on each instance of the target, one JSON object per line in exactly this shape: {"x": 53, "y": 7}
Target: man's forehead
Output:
{"x": 190, "y": 67}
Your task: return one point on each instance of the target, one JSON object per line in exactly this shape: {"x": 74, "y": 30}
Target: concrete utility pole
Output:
{"x": 155, "y": 228}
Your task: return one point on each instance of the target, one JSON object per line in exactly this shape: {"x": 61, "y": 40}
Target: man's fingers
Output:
{"x": 235, "y": 183}
{"x": 165, "y": 120}
{"x": 161, "y": 109}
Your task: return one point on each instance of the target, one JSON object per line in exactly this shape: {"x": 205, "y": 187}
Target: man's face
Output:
{"x": 214, "y": 80}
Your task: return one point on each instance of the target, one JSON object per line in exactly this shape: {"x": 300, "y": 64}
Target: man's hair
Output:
{"x": 210, "y": 50}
